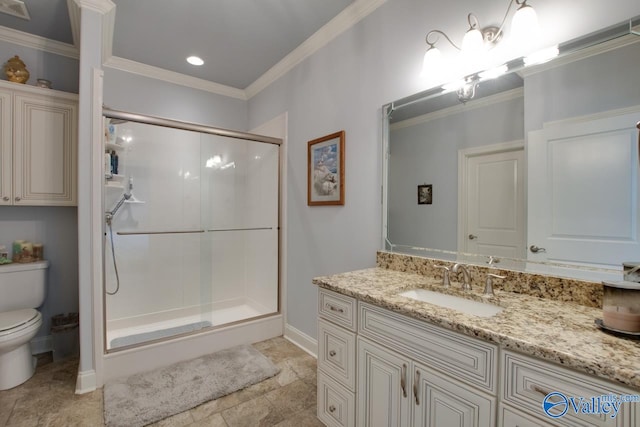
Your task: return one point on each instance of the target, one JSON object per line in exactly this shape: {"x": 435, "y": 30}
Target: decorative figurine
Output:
{"x": 16, "y": 71}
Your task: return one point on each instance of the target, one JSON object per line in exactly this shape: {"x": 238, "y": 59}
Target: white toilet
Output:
{"x": 22, "y": 289}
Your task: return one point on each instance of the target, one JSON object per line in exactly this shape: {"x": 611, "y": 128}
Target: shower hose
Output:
{"x": 115, "y": 264}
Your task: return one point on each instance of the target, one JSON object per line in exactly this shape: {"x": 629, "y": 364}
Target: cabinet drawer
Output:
{"x": 461, "y": 357}
{"x": 336, "y": 404}
{"x": 337, "y": 353}
{"x": 528, "y": 381}
{"x": 337, "y": 308}
{"x": 514, "y": 418}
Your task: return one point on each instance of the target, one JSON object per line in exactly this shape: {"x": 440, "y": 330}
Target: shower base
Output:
{"x": 161, "y": 324}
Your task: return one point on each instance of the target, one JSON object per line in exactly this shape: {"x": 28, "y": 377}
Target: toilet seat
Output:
{"x": 17, "y": 320}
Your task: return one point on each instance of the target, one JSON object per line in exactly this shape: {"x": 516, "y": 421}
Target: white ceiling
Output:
{"x": 239, "y": 40}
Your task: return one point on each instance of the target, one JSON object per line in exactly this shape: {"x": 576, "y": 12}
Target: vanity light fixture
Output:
{"x": 195, "y": 60}
{"x": 477, "y": 40}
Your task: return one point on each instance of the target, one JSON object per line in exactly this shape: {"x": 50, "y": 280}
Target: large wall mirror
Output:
{"x": 537, "y": 170}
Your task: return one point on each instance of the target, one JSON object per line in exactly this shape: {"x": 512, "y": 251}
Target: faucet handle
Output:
{"x": 488, "y": 287}
{"x": 445, "y": 275}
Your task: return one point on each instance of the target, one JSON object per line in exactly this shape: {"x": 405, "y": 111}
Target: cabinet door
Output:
{"x": 45, "y": 135}
{"x": 383, "y": 387}
{"x": 439, "y": 400}
{"x": 6, "y": 152}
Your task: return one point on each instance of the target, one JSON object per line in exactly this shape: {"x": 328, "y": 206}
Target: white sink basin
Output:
{"x": 476, "y": 308}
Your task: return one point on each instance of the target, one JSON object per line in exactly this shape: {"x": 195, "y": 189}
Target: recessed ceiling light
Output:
{"x": 195, "y": 60}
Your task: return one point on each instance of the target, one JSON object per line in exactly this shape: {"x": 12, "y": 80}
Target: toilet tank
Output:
{"x": 22, "y": 285}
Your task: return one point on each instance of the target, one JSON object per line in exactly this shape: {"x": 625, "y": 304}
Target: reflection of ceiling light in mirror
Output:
{"x": 195, "y": 60}
{"x": 228, "y": 165}
{"x": 213, "y": 161}
{"x": 494, "y": 72}
{"x": 542, "y": 56}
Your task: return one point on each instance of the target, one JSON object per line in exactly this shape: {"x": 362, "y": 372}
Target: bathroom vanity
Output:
{"x": 387, "y": 359}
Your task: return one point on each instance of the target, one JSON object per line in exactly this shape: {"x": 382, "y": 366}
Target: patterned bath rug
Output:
{"x": 148, "y": 397}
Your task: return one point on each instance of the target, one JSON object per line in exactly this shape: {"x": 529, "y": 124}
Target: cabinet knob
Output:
{"x": 332, "y": 353}
{"x": 18, "y": 199}
{"x": 332, "y": 409}
{"x": 5, "y": 198}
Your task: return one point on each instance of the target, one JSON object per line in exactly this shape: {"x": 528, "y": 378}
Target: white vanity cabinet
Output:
{"x": 336, "y": 359}
{"x": 38, "y": 146}
{"x": 400, "y": 377}
{"x": 526, "y": 381}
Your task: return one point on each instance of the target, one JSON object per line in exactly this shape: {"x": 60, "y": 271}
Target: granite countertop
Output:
{"x": 559, "y": 332}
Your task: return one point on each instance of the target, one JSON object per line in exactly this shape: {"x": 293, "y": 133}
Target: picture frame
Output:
{"x": 325, "y": 170}
{"x": 425, "y": 194}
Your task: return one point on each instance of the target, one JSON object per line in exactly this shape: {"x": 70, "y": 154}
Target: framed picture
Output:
{"x": 425, "y": 194}
{"x": 325, "y": 164}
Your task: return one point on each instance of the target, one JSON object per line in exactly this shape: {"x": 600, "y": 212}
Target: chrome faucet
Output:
{"x": 466, "y": 277}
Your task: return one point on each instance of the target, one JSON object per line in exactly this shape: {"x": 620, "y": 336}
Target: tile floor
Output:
{"x": 286, "y": 400}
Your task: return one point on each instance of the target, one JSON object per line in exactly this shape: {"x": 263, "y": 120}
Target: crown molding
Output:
{"x": 350, "y": 16}
{"x": 108, "y": 11}
{"x": 37, "y": 42}
{"x": 471, "y": 105}
{"x": 150, "y": 71}
{"x": 587, "y": 52}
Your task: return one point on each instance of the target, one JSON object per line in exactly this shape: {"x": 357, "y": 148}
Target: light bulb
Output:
{"x": 432, "y": 61}
{"x": 473, "y": 42}
{"x": 524, "y": 26}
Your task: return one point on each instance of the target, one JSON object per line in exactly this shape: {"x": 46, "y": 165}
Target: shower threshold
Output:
{"x": 139, "y": 329}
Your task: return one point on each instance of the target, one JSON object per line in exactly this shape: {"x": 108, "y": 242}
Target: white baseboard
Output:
{"x": 86, "y": 382}
{"x": 42, "y": 344}
{"x": 301, "y": 339}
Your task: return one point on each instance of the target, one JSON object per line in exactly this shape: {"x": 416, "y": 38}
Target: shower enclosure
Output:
{"x": 192, "y": 229}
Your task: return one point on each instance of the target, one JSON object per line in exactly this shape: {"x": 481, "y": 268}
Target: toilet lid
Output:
{"x": 12, "y": 319}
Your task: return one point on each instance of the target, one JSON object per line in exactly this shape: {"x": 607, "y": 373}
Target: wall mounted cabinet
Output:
{"x": 38, "y": 146}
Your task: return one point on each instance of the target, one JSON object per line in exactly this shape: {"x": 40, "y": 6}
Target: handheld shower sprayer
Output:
{"x": 125, "y": 196}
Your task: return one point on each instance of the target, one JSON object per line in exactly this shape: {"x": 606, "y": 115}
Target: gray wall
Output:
{"x": 595, "y": 84}
{"x": 55, "y": 227}
{"x": 343, "y": 86}
{"x": 139, "y": 94}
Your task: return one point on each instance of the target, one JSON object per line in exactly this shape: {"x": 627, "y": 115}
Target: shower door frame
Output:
{"x": 210, "y": 130}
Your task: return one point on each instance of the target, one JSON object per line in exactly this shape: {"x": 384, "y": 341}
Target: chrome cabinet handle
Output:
{"x": 332, "y": 409}
{"x": 403, "y": 380}
{"x": 332, "y": 353}
{"x": 5, "y": 198}
{"x": 472, "y": 236}
{"x": 416, "y": 380}
{"x": 332, "y": 308}
{"x": 535, "y": 249}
